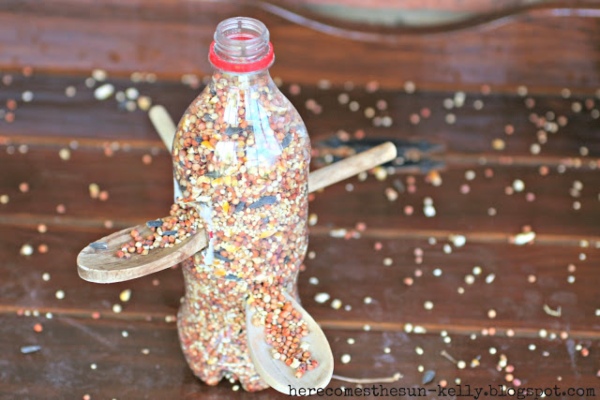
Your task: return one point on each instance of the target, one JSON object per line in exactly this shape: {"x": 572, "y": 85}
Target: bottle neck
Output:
{"x": 247, "y": 80}
{"x": 241, "y": 45}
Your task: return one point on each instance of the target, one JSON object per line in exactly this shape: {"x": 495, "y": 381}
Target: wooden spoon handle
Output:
{"x": 351, "y": 166}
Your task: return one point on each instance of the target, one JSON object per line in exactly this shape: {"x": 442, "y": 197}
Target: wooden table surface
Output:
{"x": 475, "y": 264}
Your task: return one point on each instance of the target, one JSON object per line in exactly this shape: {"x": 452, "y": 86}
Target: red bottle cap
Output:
{"x": 228, "y": 66}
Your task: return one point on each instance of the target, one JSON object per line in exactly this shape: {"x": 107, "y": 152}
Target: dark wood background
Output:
{"x": 531, "y": 80}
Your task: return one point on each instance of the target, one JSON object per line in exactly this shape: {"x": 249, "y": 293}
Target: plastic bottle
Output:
{"x": 241, "y": 159}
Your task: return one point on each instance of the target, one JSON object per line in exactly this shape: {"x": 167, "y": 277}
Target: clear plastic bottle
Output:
{"x": 241, "y": 159}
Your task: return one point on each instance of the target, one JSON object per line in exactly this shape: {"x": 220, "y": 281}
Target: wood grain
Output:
{"x": 171, "y": 39}
{"x": 337, "y": 264}
{"x": 510, "y": 98}
{"x": 96, "y": 357}
{"x": 128, "y": 181}
{"x": 52, "y": 118}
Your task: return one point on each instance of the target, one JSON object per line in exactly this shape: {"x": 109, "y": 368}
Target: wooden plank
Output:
{"x": 138, "y": 192}
{"x": 54, "y": 118}
{"x": 351, "y": 271}
{"x": 81, "y": 357}
{"x": 547, "y": 204}
{"x": 157, "y": 36}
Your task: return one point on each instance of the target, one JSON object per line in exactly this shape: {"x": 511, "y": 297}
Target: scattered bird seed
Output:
{"x": 30, "y": 349}
{"x": 523, "y": 238}
{"x": 458, "y": 240}
{"x": 103, "y": 92}
{"x": 345, "y": 359}
{"x": 99, "y": 245}
{"x": 518, "y": 185}
{"x": 27, "y": 96}
{"x": 26, "y": 250}
{"x": 99, "y": 75}
{"x": 64, "y": 154}
{"x": 125, "y": 295}
{"x": 336, "y": 304}
{"x": 322, "y": 297}
{"x": 70, "y": 91}
{"x": 428, "y": 377}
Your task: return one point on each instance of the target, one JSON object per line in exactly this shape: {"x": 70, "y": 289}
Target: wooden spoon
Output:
{"x": 278, "y": 375}
{"x": 97, "y": 262}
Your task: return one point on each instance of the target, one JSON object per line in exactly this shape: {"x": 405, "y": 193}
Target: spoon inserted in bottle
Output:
{"x": 288, "y": 348}
{"x": 97, "y": 261}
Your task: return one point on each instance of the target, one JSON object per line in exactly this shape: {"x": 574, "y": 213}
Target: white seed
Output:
{"x": 409, "y": 87}
{"x": 428, "y": 305}
{"x": 458, "y": 240}
{"x": 70, "y": 91}
{"x": 321, "y": 297}
{"x": 60, "y": 294}
{"x": 132, "y": 93}
{"x": 429, "y": 211}
{"x": 26, "y": 250}
{"x": 99, "y": 75}
{"x": 64, "y": 154}
{"x": 125, "y": 295}
{"x": 336, "y": 304}
{"x": 345, "y": 359}
{"x": 524, "y": 238}
{"x": 104, "y": 92}
{"x": 518, "y": 185}
{"x": 420, "y": 329}
{"x": 27, "y": 96}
